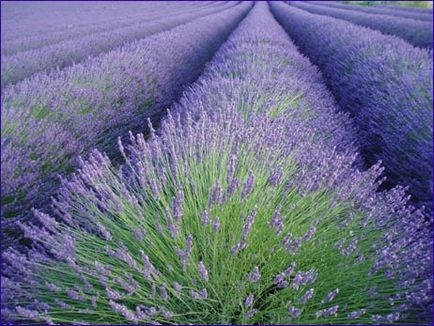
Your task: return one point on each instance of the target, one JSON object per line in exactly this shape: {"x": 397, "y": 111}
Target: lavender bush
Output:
{"x": 20, "y": 19}
{"x": 424, "y": 16}
{"x": 418, "y": 33}
{"x": 240, "y": 212}
{"x": 20, "y": 44}
{"x": 385, "y": 84}
{"x": 58, "y": 56}
{"x": 50, "y": 119}
{"x": 425, "y": 10}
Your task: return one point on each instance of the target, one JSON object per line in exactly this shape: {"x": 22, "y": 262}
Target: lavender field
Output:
{"x": 216, "y": 162}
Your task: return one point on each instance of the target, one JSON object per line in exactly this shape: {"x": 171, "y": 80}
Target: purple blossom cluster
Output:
{"x": 418, "y": 33}
{"x": 259, "y": 107}
{"x": 386, "y": 85}
{"x": 18, "y": 66}
{"x": 49, "y": 120}
{"x": 423, "y": 14}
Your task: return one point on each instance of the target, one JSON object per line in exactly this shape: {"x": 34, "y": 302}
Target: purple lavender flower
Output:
{"x": 282, "y": 285}
{"x": 251, "y": 313}
{"x": 202, "y": 271}
{"x": 217, "y": 224}
{"x": 231, "y": 169}
{"x": 49, "y": 222}
{"x": 234, "y": 186}
{"x": 177, "y": 287}
{"x": 309, "y": 234}
{"x": 248, "y": 186}
{"x": 294, "y": 311}
{"x": 106, "y": 234}
{"x": 290, "y": 269}
{"x": 166, "y": 313}
{"x": 151, "y": 311}
{"x": 189, "y": 244}
{"x": 31, "y": 314}
{"x": 75, "y": 295}
{"x": 177, "y": 205}
{"x": 216, "y": 195}
{"x": 255, "y": 276}
{"x": 113, "y": 294}
{"x": 204, "y": 218}
{"x": 94, "y": 300}
{"x": 327, "y": 312}
{"x": 249, "y": 222}
{"x": 62, "y": 304}
{"x": 249, "y": 301}
{"x": 303, "y": 278}
{"x": 277, "y": 221}
{"x": 53, "y": 287}
{"x": 139, "y": 233}
{"x": 356, "y": 314}
{"x": 123, "y": 310}
{"x": 393, "y": 317}
{"x": 275, "y": 178}
{"x": 195, "y": 295}
{"x": 173, "y": 228}
{"x": 330, "y": 296}
{"x": 307, "y": 296}
{"x": 279, "y": 278}
{"x": 377, "y": 318}
{"x": 238, "y": 247}
{"x": 163, "y": 292}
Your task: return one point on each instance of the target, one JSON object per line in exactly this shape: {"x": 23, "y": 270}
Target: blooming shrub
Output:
{"x": 60, "y": 55}
{"x": 63, "y": 16}
{"x": 17, "y": 44}
{"x": 242, "y": 209}
{"x": 393, "y": 11}
{"x": 384, "y": 83}
{"x": 49, "y": 120}
{"x": 424, "y": 9}
{"x": 418, "y": 33}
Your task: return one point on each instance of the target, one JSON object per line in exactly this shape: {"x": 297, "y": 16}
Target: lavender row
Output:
{"x": 385, "y": 84}
{"x": 58, "y": 56}
{"x": 10, "y": 47}
{"x": 243, "y": 192}
{"x": 378, "y": 10}
{"x": 49, "y": 120}
{"x": 418, "y": 33}
{"x": 425, "y": 10}
{"x": 31, "y": 19}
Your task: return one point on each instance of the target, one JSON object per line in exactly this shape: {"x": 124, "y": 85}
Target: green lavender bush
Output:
{"x": 233, "y": 213}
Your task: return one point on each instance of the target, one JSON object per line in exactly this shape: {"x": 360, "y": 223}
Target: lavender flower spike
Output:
{"x": 249, "y": 301}
{"x": 203, "y": 272}
{"x": 255, "y": 276}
